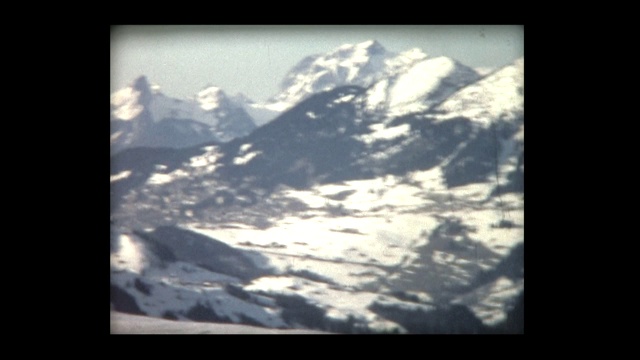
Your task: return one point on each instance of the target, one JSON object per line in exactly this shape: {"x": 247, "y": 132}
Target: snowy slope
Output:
{"x": 353, "y": 245}
{"x": 500, "y": 95}
{"x": 178, "y": 289}
{"x": 349, "y": 246}
{"x": 122, "y": 323}
{"x": 423, "y": 84}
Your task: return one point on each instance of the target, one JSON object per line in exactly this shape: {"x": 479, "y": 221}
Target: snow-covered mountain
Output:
{"x": 405, "y": 79}
{"x": 500, "y": 95}
{"x": 420, "y": 86}
{"x": 343, "y": 214}
{"x": 141, "y": 115}
{"x": 359, "y": 64}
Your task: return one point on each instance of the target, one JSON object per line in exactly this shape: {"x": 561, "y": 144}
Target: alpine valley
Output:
{"x": 377, "y": 192}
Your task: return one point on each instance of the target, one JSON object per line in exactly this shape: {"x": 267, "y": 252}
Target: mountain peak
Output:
{"x": 141, "y": 85}
{"x": 369, "y": 47}
{"x": 129, "y": 102}
{"x": 349, "y": 64}
{"x": 372, "y": 46}
{"x": 211, "y": 97}
{"x": 414, "y": 54}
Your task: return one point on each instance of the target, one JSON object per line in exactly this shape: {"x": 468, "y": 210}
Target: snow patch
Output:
{"x": 121, "y": 175}
{"x": 199, "y": 161}
{"x": 126, "y": 103}
{"x": 278, "y": 107}
{"x": 159, "y": 178}
{"x": 344, "y": 99}
{"x": 242, "y": 160}
{"x": 129, "y": 256}
{"x": 420, "y": 80}
{"x": 245, "y": 147}
{"x": 116, "y": 135}
{"x": 380, "y": 132}
{"x": 339, "y": 303}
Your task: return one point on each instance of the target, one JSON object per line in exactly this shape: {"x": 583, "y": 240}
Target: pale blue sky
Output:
{"x": 254, "y": 59}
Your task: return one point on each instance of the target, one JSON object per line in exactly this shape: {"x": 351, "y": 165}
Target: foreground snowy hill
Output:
{"x": 397, "y": 208}
{"x": 122, "y": 323}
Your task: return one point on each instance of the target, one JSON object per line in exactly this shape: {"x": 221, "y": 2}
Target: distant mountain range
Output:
{"x": 386, "y": 196}
{"x": 142, "y": 116}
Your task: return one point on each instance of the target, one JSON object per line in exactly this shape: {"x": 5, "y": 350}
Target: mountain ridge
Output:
{"x": 144, "y": 116}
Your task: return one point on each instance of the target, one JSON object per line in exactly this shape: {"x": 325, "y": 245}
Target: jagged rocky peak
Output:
{"x": 212, "y": 97}
{"x": 142, "y": 86}
{"x": 352, "y": 56}
{"x": 349, "y": 64}
{"x": 371, "y": 47}
{"x": 129, "y": 102}
{"x": 141, "y": 83}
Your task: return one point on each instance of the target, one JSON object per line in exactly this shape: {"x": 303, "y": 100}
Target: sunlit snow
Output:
{"x": 130, "y": 255}
{"x": 121, "y": 175}
{"x": 182, "y": 286}
{"x": 115, "y": 136}
{"x": 377, "y": 95}
{"x": 159, "y": 178}
{"x": 499, "y": 95}
{"x": 209, "y": 98}
{"x": 421, "y": 79}
{"x": 380, "y": 132}
{"x": 339, "y": 303}
{"x": 245, "y": 147}
{"x": 242, "y": 160}
{"x": 126, "y": 104}
{"x": 344, "y": 99}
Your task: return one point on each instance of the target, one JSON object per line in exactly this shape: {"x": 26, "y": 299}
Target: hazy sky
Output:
{"x": 254, "y": 59}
